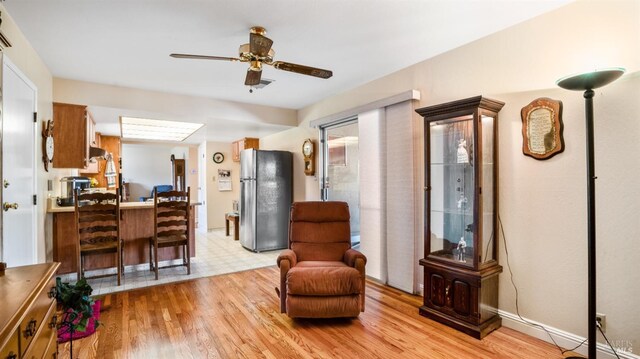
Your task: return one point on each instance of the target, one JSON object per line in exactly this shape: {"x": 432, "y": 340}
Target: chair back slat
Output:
{"x": 166, "y": 194}
{"x": 94, "y": 229}
{"x": 180, "y": 213}
{"x": 93, "y": 207}
{"x": 173, "y": 223}
{"x": 98, "y": 217}
{"x": 171, "y": 204}
{"x": 96, "y": 196}
{"x": 100, "y": 239}
{"x": 174, "y": 232}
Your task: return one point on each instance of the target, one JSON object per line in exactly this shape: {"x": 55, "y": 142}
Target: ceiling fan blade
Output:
{"x": 253, "y": 77}
{"x": 259, "y": 45}
{"x": 301, "y": 69}
{"x": 203, "y": 57}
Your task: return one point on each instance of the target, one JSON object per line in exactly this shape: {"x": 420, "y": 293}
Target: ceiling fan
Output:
{"x": 258, "y": 52}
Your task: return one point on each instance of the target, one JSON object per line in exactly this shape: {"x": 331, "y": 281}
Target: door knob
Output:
{"x": 7, "y": 206}
{"x": 5, "y": 183}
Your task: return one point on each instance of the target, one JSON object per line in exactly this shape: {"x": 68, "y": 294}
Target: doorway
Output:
{"x": 19, "y": 246}
{"x": 341, "y": 169}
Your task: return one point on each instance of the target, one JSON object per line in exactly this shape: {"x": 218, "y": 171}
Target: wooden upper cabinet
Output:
{"x": 73, "y": 134}
{"x": 243, "y": 144}
{"x": 111, "y": 144}
{"x": 93, "y": 167}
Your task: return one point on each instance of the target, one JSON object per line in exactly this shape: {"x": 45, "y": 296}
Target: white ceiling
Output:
{"x": 128, "y": 42}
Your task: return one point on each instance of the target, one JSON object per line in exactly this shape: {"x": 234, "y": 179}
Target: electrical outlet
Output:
{"x": 602, "y": 319}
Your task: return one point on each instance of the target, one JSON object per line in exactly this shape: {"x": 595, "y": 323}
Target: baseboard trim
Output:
{"x": 563, "y": 338}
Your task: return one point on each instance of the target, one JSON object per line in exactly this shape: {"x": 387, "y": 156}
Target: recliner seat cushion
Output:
{"x": 323, "y": 281}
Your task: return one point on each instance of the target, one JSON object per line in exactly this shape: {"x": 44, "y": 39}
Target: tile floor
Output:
{"x": 215, "y": 254}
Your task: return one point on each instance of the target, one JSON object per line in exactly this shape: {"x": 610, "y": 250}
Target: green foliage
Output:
{"x": 76, "y": 303}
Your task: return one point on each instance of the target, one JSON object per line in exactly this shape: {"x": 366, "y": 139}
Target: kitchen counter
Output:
{"x": 52, "y": 206}
{"x": 136, "y": 228}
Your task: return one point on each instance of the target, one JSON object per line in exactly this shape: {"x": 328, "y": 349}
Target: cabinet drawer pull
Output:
{"x": 54, "y": 321}
{"x": 31, "y": 329}
{"x": 12, "y": 355}
{"x": 53, "y": 292}
{"x": 446, "y": 291}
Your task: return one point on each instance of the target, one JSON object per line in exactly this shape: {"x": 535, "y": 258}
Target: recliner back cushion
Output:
{"x": 320, "y": 231}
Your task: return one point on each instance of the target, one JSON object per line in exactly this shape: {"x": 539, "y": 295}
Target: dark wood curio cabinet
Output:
{"x": 461, "y": 204}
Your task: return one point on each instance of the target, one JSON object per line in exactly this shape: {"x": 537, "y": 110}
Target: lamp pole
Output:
{"x": 588, "y": 82}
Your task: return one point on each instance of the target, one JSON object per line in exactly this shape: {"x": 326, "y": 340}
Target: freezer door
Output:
{"x": 248, "y": 163}
{"x": 248, "y": 214}
{"x": 274, "y": 188}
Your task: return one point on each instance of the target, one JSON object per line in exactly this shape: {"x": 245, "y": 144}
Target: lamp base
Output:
{"x": 573, "y": 355}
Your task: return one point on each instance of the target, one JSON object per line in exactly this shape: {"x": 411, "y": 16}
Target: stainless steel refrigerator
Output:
{"x": 266, "y": 192}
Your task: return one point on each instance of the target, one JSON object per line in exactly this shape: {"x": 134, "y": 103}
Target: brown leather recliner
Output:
{"x": 320, "y": 275}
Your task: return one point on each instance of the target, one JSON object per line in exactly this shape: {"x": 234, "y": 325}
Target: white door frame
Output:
{"x": 34, "y": 218}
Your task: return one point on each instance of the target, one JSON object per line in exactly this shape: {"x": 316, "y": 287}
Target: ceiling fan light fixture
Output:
{"x": 257, "y": 52}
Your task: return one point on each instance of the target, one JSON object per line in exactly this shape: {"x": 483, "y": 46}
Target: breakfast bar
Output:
{"x": 136, "y": 227}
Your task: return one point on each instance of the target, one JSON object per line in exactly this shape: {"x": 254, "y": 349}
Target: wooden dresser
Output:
{"x": 28, "y": 312}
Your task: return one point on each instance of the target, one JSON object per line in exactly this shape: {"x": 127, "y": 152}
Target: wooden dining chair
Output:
{"x": 98, "y": 228}
{"x": 171, "y": 226}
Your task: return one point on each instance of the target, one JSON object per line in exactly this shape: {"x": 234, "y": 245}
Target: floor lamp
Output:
{"x": 587, "y": 82}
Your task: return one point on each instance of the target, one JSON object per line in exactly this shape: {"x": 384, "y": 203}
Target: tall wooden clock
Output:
{"x": 309, "y": 154}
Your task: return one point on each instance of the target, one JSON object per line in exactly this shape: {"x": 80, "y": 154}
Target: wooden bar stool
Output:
{"x": 98, "y": 228}
{"x": 171, "y": 226}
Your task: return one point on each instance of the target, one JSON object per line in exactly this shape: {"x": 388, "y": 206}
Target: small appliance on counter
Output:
{"x": 68, "y": 185}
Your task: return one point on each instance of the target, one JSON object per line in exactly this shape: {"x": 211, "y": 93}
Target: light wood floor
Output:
{"x": 237, "y": 316}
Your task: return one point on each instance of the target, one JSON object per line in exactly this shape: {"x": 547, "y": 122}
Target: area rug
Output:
{"x": 64, "y": 335}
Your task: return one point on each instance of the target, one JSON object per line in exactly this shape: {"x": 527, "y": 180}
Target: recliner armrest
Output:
{"x": 351, "y": 255}
{"x": 289, "y": 255}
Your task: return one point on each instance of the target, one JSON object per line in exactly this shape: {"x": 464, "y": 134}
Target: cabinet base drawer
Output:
{"x": 11, "y": 347}
{"x": 41, "y": 342}
{"x": 476, "y": 331}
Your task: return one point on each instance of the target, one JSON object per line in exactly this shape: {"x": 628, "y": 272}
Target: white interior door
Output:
{"x": 18, "y": 167}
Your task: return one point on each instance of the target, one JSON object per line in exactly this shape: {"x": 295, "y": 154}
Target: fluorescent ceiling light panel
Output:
{"x": 148, "y": 129}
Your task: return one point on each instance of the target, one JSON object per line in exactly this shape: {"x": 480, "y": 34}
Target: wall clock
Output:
{"x": 47, "y": 143}
{"x": 308, "y": 152}
{"x": 218, "y": 157}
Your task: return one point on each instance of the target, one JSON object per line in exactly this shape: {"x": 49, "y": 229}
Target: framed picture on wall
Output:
{"x": 337, "y": 151}
{"x": 224, "y": 180}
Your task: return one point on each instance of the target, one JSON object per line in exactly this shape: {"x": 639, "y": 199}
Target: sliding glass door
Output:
{"x": 341, "y": 170}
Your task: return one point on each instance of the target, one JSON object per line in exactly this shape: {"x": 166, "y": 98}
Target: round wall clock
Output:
{"x": 218, "y": 157}
{"x": 47, "y": 143}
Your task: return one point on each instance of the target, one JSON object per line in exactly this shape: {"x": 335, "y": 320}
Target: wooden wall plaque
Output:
{"x": 542, "y": 128}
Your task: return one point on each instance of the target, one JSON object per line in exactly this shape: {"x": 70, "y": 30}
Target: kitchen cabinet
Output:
{"x": 73, "y": 135}
{"x": 93, "y": 167}
{"x": 461, "y": 199}
{"x": 111, "y": 144}
{"x": 243, "y": 144}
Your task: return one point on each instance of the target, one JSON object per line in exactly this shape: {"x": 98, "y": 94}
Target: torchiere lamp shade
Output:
{"x": 590, "y": 80}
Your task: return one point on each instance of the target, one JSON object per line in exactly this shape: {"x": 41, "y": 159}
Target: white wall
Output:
{"x": 145, "y": 165}
{"x": 219, "y": 203}
{"x": 305, "y": 188}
